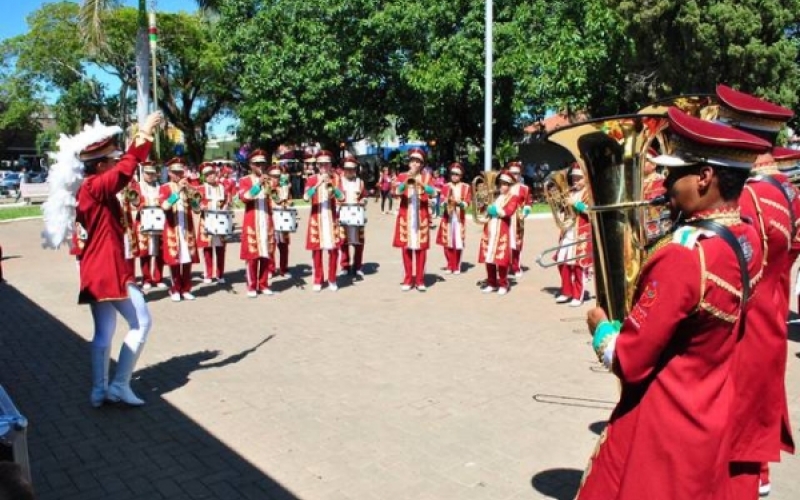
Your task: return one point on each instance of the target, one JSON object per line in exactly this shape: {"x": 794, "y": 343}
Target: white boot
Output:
{"x": 120, "y": 388}
{"x": 99, "y": 375}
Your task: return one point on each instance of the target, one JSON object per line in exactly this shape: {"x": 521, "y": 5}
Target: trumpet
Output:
{"x": 194, "y": 197}
{"x": 131, "y": 196}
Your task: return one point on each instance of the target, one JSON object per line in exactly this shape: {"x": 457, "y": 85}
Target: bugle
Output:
{"x": 541, "y": 259}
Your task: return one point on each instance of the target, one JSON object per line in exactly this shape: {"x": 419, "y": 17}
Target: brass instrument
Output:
{"x": 541, "y": 259}
{"x": 131, "y": 196}
{"x": 194, "y": 197}
{"x": 703, "y": 106}
{"x": 556, "y": 193}
{"x": 612, "y": 152}
{"x": 484, "y": 192}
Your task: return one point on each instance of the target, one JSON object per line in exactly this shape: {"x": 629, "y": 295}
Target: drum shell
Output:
{"x": 151, "y": 219}
{"x": 284, "y": 219}
{"x": 352, "y": 214}
{"x": 218, "y": 222}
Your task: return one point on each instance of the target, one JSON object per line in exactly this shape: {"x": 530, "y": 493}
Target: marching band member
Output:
{"x": 106, "y": 282}
{"x": 523, "y": 194}
{"x": 657, "y": 221}
{"x": 258, "y": 236}
{"x": 179, "y": 246}
{"x": 282, "y": 196}
{"x": 495, "y": 249}
{"x": 151, "y": 258}
{"x": 130, "y": 200}
{"x": 215, "y": 197}
{"x": 668, "y": 437}
{"x": 452, "y": 230}
{"x": 761, "y": 426}
{"x": 412, "y": 226}
{"x": 323, "y": 223}
{"x": 354, "y": 193}
{"x": 574, "y": 269}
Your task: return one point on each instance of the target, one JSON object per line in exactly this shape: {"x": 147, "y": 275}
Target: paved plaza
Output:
{"x": 367, "y": 393}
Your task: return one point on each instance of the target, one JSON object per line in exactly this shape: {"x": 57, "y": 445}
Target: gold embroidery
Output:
{"x": 716, "y": 312}
{"x": 723, "y": 284}
{"x": 775, "y": 205}
{"x": 777, "y": 225}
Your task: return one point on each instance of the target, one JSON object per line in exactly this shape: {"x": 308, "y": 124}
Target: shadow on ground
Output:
{"x": 78, "y": 452}
{"x": 561, "y": 484}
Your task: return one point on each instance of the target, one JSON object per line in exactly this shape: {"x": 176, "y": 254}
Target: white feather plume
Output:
{"x": 64, "y": 179}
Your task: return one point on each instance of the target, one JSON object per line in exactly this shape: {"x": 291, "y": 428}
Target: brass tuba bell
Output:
{"x": 556, "y": 193}
{"x": 611, "y": 152}
{"x": 484, "y": 192}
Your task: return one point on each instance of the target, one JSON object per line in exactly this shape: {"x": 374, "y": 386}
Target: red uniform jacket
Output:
{"x": 496, "y": 241}
{"x": 669, "y": 436}
{"x": 522, "y": 193}
{"x": 258, "y": 231}
{"x": 171, "y": 244}
{"x": 460, "y": 192}
{"x": 104, "y": 273}
{"x": 413, "y": 200}
{"x": 761, "y": 417}
{"x": 323, "y": 223}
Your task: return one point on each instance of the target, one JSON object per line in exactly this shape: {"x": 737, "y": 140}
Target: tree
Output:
{"x": 690, "y": 46}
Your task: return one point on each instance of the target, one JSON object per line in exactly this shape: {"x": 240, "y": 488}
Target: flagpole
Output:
{"x": 487, "y": 112}
{"x": 153, "y": 35}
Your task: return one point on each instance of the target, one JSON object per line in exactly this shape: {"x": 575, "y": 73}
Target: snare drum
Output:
{"x": 219, "y": 222}
{"x": 285, "y": 219}
{"x": 152, "y": 219}
{"x": 352, "y": 214}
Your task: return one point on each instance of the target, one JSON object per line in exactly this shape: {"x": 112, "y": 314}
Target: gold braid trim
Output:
{"x": 763, "y": 235}
{"x": 784, "y": 231}
{"x": 703, "y": 275}
{"x": 775, "y": 205}
{"x": 728, "y": 217}
{"x": 724, "y": 285}
{"x": 714, "y": 311}
{"x": 757, "y": 278}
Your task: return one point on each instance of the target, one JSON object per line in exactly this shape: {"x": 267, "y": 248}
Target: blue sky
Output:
{"x": 15, "y": 12}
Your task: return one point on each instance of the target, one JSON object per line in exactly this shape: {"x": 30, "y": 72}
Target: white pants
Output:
{"x": 133, "y": 309}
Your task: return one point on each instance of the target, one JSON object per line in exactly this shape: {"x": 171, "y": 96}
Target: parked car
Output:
{"x": 10, "y": 182}
{"x": 38, "y": 178}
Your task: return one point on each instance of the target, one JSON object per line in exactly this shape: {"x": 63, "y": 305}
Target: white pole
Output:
{"x": 487, "y": 113}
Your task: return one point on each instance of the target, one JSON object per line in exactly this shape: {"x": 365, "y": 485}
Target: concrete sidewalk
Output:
{"x": 366, "y": 393}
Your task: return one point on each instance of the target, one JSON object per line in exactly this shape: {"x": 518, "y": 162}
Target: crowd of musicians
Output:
{"x": 178, "y": 223}
{"x": 700, "y": 354}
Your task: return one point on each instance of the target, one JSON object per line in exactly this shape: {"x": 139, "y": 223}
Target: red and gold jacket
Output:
{"x": 495, "y": 245}
{"x": 669, "y": 436}
{"x": 258, "y": 233}
{"x": 175, "y": 234}
{"x": 461, "y": 195}
{"x": 413, "y": 204}
{"x": 323, "y": 222}
{"x": 104, "y": 274}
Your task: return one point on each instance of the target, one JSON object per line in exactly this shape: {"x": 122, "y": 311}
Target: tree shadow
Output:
{"x": 77, "y": 451}
{"x": 561, "y": 484}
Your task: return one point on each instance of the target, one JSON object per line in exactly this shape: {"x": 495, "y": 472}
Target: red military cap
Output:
{"x": 752, "y": 114}
{"x": 785, "y": 157}
{"x": 148, "y": 167}
{"x": 324, "y": 156}
{"x": 176, "y": 165}
{"x": 275, "y": 169}
{"x": 576, "y": 171}
{"x": 697, "y": 141}
{"x": 107, "y": 148}
{"x": 416, "y": 154}
{"x": 456, "y": 168}
{"x": 350, "y": 161}
{"x": 207, "y": 168}
{"x": 506, "y": 177}
{"x": 309, "y": 158}
{"x": 515, "y": 167}
{"x": 287, "y": 156}
{"x": 258, "y": 156}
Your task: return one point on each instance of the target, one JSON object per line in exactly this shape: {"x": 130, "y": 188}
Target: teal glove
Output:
{"x": 463, "y": 204}
{"x": 311, "y": 192}
{"x": 603, "y": 331}
{"x": 337, "y": 193}
{"x": 401, "y": 187}
{"x": 492, "y": 211}
{"x": 173, "y": 198}
{"x": 526, "y": 211}
{"x": 580, "y": 206}
{"x": 255, "y": 190}
{"x": 284, "y": 180}
{"x": 429, "y": 190}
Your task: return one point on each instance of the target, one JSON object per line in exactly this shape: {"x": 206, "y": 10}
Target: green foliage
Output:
{"x": 690, "y": 46}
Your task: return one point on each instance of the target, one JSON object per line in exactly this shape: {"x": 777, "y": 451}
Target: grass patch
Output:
{"x": 540, "y": 208}
{"x": 11, "y": 213}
